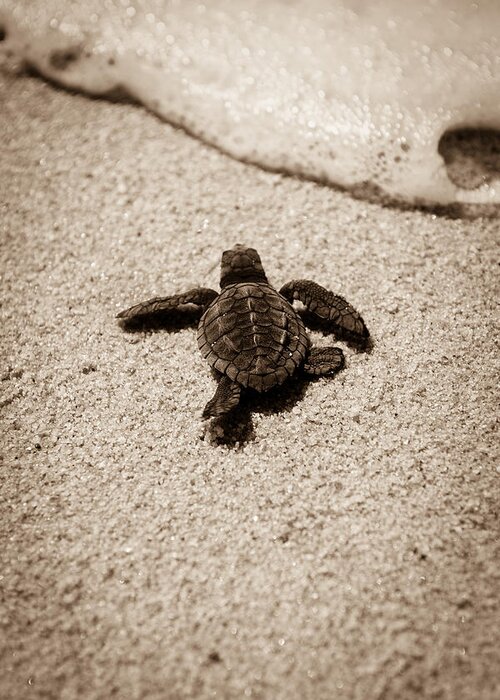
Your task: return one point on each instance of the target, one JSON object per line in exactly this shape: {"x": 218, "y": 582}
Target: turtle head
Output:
{"x": 241, "y": 264}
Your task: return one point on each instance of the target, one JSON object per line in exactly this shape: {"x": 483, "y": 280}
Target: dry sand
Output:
{"x": 347, "y": 546}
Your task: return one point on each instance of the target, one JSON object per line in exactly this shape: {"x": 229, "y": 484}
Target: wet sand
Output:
{"x": 344, "y": 542}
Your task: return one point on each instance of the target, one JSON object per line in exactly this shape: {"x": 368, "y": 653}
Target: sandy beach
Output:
{"x": 343, "y": 541}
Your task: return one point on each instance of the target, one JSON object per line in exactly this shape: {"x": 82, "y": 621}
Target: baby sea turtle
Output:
{"x": 250, "y": 334}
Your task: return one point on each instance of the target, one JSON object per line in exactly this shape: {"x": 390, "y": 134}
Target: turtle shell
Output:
{"x": 253, "y": 335}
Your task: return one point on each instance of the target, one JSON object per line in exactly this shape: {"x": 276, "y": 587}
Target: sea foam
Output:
{"x": 346, "y": 92}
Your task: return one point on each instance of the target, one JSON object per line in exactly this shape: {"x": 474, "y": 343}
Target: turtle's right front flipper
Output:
{"x": 327, "y": 306}
{"x": 201, "y": 296}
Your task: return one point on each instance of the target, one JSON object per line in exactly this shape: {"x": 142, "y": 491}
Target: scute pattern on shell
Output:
{"x": 253, "y": 335}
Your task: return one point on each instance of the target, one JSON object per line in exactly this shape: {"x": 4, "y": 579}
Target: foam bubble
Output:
{"x": 354, "y": 94}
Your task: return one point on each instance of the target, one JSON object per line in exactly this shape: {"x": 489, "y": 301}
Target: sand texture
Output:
{"x": 341, "y": 540}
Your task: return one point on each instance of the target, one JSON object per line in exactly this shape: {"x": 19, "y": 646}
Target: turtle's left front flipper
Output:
{"x": 201, "y": 296}
{"x": 327, "y": 306}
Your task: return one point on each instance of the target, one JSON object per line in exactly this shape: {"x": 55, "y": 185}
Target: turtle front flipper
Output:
{"x": 201, "y": 296}
{"x": 327, "y": 306}
{"x": 324, "y": 361}
{"x": 226, "y": 397}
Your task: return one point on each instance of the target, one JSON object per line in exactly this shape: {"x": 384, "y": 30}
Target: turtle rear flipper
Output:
{"x": 324, "y": 361}
{"x": 201, "y": 296}
{"x": 226, "y": 397}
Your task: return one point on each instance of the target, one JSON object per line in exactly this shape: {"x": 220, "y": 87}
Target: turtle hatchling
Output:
{"x": 251, "y": 335}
